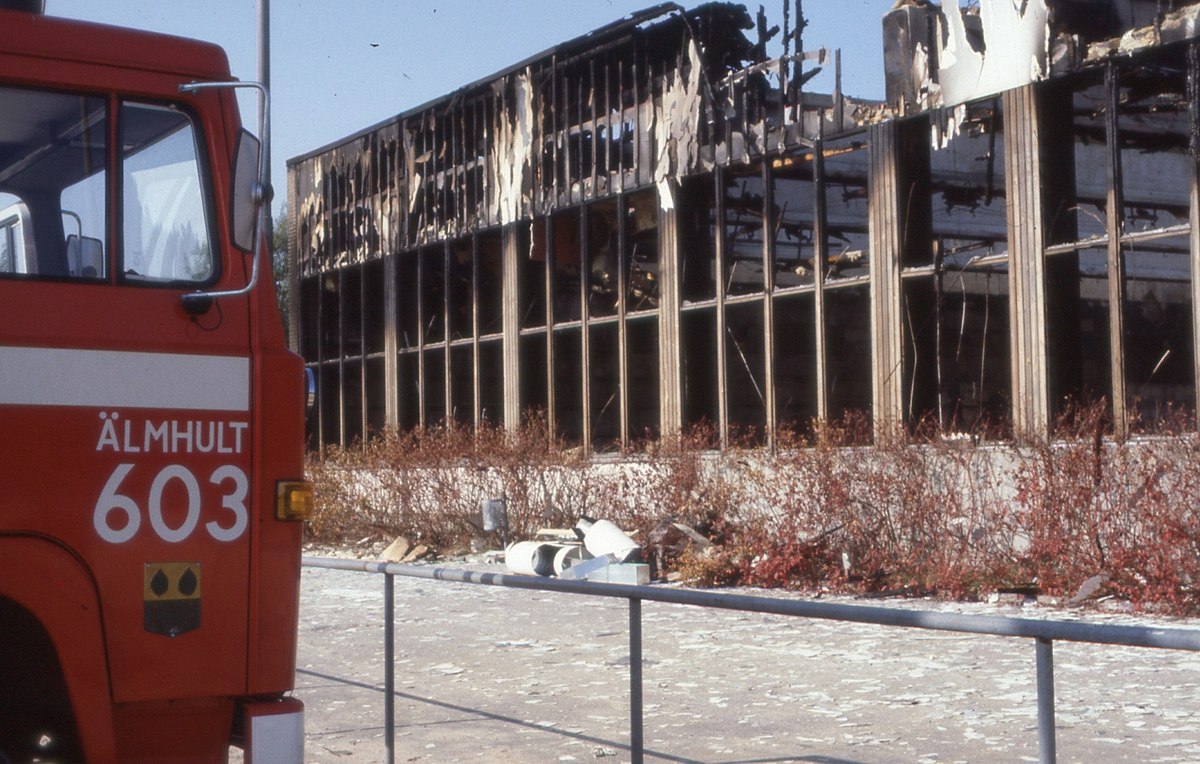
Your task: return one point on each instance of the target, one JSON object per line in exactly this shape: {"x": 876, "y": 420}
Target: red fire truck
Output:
{"x": 151, "y": 416}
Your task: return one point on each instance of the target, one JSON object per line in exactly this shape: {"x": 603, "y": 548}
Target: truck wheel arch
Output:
{"x": 53, "y": 587}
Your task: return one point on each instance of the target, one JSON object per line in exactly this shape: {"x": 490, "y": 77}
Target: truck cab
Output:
{"x": 151, "y": 415}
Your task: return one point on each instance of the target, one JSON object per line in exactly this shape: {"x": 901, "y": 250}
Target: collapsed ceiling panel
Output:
{"x": 944, "y": 55}
{"x": 1003, "y": 46}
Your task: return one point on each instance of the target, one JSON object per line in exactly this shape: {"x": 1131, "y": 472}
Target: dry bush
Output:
{"x": 834, "y": 508}
{"x": 1122, "y": 509}
{"x": 908, "y": 513}
{"x": 428, "y": 484}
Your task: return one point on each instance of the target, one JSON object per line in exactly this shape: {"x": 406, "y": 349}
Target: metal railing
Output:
{"x": 1043, "y": 632}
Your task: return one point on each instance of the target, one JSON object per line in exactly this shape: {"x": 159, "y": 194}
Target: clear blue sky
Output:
{"x": 337, "y": 67}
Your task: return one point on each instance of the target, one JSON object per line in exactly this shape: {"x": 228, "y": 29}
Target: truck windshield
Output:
{"x": 54, "y": 191}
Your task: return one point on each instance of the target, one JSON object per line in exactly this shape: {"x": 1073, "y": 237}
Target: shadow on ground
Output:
{"x": 554, "y": 731}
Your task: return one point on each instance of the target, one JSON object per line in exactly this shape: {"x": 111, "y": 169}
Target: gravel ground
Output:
{"x": 486, "y": 674}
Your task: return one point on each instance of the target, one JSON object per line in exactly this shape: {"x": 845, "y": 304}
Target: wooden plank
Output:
{"x": 885, "y": 235}
{"x": 511, "y": 322}
{"x": 1027, "y": 254}
{"x": 670, "y": 363}
{"x": 768, "y": 263}
{"x": 820, "y": 262}
{"x": 390, "y": 343}
{"x": 1114, "y": 225}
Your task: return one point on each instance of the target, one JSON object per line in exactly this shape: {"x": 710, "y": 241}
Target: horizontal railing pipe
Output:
{"x": 1069, "y": 631}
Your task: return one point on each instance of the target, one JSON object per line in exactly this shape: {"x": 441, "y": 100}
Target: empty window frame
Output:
{"x": 845, "y": 315}
{"x": 957, "y": 301}
{"x": 743, "y": 231}
{"x": 698, "y": 228}
{"x": 1151, "y": 129}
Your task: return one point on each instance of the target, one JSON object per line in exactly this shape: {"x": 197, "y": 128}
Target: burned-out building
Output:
{"x": 656, "y": 225}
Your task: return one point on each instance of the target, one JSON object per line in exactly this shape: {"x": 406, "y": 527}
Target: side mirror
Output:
{"x": 243, "y": 200}
{"x": 249, "y": 196}
{"x": 310, "y": 392}
{"x": 85, "y": 256}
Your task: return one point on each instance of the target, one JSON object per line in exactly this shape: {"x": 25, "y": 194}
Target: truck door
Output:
{"x": 125, "y": 430}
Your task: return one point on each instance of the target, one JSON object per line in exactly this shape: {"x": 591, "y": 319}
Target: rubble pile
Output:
{"x": 594, "y": 550}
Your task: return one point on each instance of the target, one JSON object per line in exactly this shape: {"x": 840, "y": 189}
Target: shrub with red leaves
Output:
{"x": 839, "y": 507}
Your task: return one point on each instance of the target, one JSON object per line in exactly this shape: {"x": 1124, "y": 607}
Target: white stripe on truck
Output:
{"x": 120, "y": 379}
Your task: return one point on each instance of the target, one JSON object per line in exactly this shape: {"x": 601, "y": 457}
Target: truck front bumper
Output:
{"x": 274, "y": 732}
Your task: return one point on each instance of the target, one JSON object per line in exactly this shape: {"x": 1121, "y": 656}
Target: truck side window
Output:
{"x": 165, "y": 229}
{"x": 8, "y": 254}
{"x": 53, "y": 185}
{"x": 14, "y": 225}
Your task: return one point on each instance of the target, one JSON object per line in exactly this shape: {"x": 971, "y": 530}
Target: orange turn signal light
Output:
{"x": 293, "y": 500}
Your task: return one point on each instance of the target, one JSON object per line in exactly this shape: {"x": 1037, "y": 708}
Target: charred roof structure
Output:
{"x": 655, "y": 225}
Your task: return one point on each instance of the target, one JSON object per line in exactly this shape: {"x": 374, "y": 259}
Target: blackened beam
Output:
{"x": 476, "y": 371}
{"x": 551, "y": 356}
{"x": 622, "y": 324}
{"x": 447, "y": 377}
{"x": 341, "y": 359}
{"x": 1193, "y": 89}
{"x": 768, "y": 264}
{"x": 421, "y": 309}
{"x": 364, "y": 409}
{"x": 820, "y": 260}
{"x": 585, "y": 341}
{"x": 719, "y": 274}
{"x": 1114, "y": 218}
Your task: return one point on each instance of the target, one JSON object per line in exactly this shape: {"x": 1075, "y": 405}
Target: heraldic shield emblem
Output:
{"x": 172, "y": 598}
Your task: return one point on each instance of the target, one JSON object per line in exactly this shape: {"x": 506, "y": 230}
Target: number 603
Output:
{"x": 110, "y": 501}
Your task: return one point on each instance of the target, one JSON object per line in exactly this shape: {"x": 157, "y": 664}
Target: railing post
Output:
{"x": 635, "y": 681}
{"x": 1045, "y": 698}
{"x": 389, "y": 667}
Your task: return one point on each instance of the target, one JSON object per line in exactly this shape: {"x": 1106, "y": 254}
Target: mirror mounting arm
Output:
{"x": 198, "y": 303}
